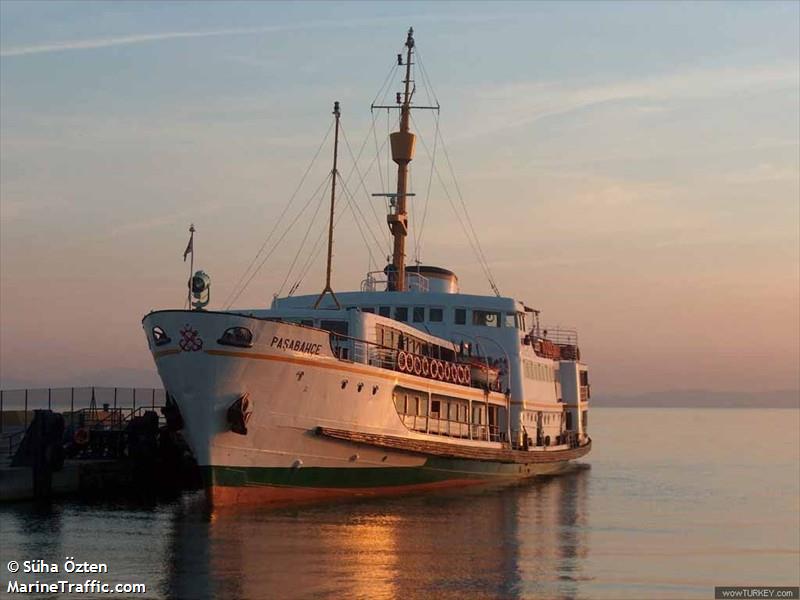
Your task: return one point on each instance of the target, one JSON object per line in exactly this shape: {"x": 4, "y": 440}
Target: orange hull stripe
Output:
{"x": 277, "y": 495}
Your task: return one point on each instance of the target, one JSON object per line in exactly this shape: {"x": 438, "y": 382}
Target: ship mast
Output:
{"x": 402, "y": 143}
{"x": 334, "y": 175}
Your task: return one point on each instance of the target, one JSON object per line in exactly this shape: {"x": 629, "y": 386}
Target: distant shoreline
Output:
{"x": 704, "y": 399}
{"x": 597, "y": 405}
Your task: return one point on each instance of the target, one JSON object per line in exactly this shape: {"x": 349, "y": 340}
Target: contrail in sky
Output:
{"x": 139, "y": 39}
{"x": 126, "y": 40}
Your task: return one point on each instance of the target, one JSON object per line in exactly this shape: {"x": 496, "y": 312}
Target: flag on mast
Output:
{"x": 190, "y": 246}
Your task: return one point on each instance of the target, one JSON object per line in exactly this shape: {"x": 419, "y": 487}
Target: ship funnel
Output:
{"x": 431, "y": 279}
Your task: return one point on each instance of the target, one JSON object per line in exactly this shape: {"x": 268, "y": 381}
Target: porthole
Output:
{"x": 237, "y": 336}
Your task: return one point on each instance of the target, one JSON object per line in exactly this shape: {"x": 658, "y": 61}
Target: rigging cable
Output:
{"x": 305, "y": 237}
{"x": 311, "y": 257}
{"x": 353, "y": 208}
{"x": 378, "y": 151}
{"x": 228, "y": 301}
{"x": 428, "y": 85}
{"x": 315, "y": 252}
{"x": 316, "y": 247}
{"x": 361, "y": 182}
{"x": 428, "y": 191}
{"x": 472, "y": 243}
{"x": 468, "y": 218}
{"x": 277, "y": 243}
{"x": 412, "y": 212}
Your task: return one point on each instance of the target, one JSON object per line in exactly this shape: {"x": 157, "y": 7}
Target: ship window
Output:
{"x": 160, "y": 336}
{"x": 401, "y": 313}
{"x": 511, "y": 320}
{"x": 306, "y": 322}
{"x": 368, "y": 309}
{"x": 385, "y": 311}
{"x": 461, "y": 316}
{"x": 419, "y": 314}
{"x": 237, "y": 336}
{"x": 435, "y": 408}
{"x": 486, "y": 318}
{"x": 422, "y": 407}
{"x": 521, "y": 321}
{"x": 337, "y": 327}
{"x": 435, "y": 315}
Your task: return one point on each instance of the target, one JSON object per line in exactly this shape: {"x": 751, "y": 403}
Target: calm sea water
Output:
{"x": 669, "y": 504}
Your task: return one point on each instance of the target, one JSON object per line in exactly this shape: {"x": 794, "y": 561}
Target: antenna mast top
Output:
{"x": 402, "y": 143}
{"x": 334, "y": 175}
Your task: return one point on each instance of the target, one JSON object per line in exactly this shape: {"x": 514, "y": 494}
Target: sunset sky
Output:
{"x": 632, "y": 169}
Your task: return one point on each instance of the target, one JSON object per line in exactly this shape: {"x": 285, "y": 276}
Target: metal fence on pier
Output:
{"x": 17, "y": 406}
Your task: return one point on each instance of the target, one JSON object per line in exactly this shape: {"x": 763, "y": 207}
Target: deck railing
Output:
{"x": 17, "y": 406}
{"x": 457, "y": 429}
{"x": 361, "y": 351}
{"x": 563, "y": 336}
{"x": 377, "y": 281}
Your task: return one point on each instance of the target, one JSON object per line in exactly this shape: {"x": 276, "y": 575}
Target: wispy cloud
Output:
{"x": 143, "y": 38}
{"x": 133, "y": 39}
{"x": 519, "y": 104}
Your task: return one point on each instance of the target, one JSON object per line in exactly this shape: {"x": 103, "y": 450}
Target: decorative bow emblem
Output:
{"x": 190, "y": 341}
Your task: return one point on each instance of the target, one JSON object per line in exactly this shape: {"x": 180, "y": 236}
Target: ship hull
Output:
{"x": 296, "y": 387}
{"x": 232, "y": 486}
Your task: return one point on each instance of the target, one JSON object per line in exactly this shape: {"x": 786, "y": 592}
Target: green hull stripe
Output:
{"x": 434, "y": 470}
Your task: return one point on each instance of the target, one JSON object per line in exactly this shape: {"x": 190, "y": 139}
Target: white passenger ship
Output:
{"x": 407, "y": 384}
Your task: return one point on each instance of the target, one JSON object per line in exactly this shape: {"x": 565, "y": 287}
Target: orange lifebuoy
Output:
{"x": 81, "y": 437}
{"x": 417, "y": 365}
{"x": 402, "y": 365}
{"x": 447, "y": 371}
{"x": 425, "y": 366}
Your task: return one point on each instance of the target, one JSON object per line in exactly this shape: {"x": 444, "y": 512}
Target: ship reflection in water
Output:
{"x": 522, "y": 541}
